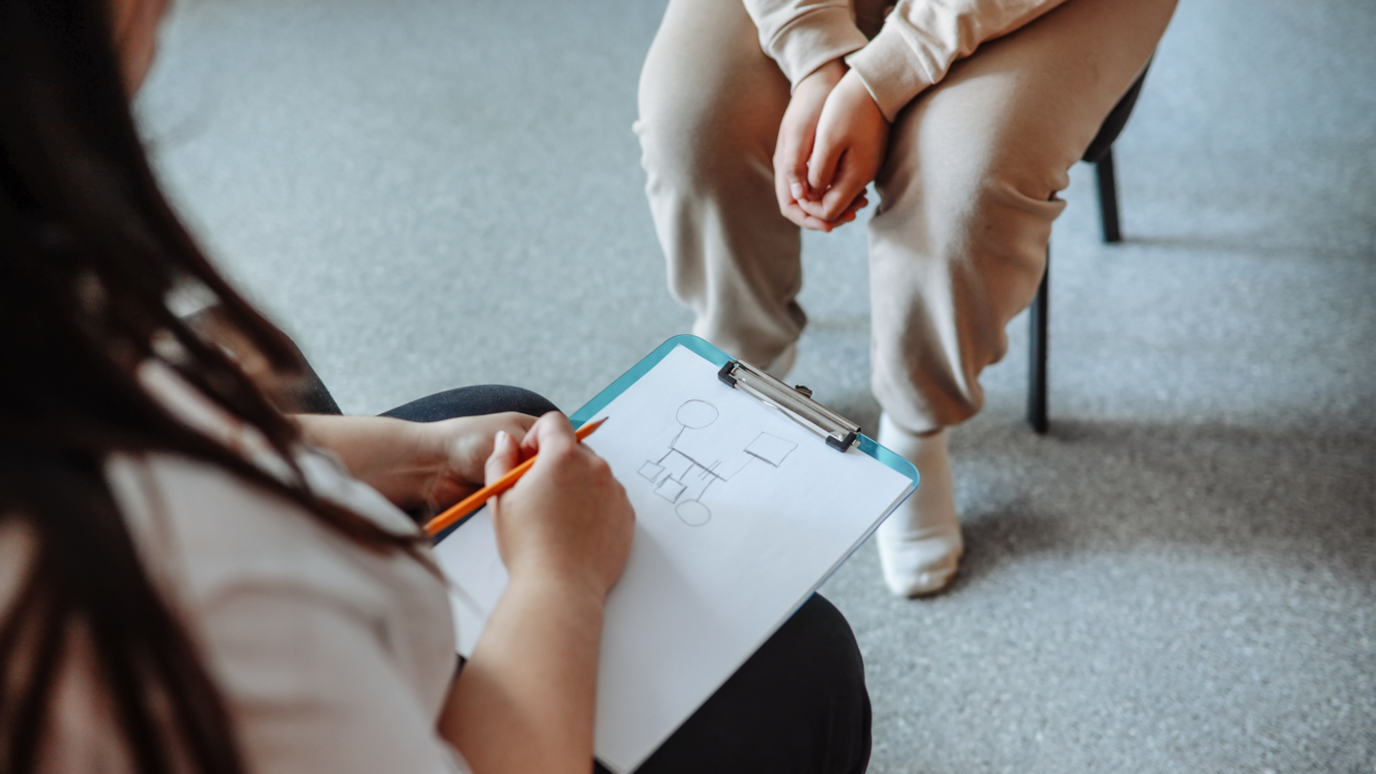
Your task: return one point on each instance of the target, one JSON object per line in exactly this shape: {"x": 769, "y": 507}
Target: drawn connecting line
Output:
{"x": 688, "y": 467}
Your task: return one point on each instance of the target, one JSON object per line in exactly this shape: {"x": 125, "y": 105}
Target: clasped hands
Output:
{"x": 831, "y": 143}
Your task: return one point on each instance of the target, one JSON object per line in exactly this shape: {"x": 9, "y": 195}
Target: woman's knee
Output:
{"x": 473, "y": 401}
{"x": 709, "y": 96}
{"x": 700, "y": 142}
{"x": 964, "y": 221}
{"x": 798, "y": 705}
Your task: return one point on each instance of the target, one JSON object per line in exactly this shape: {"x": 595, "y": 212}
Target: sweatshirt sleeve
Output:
{"x": 802, "y": 35}
{"x": 921, "y": 39}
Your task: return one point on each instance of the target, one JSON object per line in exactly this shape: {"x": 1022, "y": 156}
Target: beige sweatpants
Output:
{"x": 967, "y": 190}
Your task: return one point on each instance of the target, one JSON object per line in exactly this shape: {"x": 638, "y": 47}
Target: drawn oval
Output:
{"x": 693, "y": 513}
{"x": 696, "y": 414}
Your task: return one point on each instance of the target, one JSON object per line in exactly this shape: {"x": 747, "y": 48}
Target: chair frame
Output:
{"x": 1100, "y": 154}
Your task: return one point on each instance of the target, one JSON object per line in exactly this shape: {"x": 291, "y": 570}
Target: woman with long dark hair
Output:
{"x": 189, "y": 583}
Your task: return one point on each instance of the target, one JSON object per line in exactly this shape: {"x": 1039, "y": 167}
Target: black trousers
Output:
{"x": 798, "y": 706}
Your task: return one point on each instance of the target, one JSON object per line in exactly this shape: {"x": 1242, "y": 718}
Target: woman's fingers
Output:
{"x": 845, "y": 190}
{"x": 475, "y": 438}
{"x": 797, "y": 133}
{"x": 790, "y": 170}
{"x": 790, "y": 160}
{"x": 503, "y": 458}
{"x": 827, "y": 151}
{"x": 814, "y": 211}
{"x": 552, "y": 429}
{"x": 851, "y": 141}
{"x": 792, "y": 147}
{"x": 458, "y": 450}
{"x": 567, "y": 519}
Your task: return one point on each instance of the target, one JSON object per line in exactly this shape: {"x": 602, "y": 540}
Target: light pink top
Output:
{"x": 331, "y": 658}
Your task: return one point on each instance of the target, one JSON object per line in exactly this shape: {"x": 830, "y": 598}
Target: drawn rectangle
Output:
{"x": 770, "y": 448}
{"x": 669, "y": 489}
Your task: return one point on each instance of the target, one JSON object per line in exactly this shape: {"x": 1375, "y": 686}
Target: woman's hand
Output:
{"x": 797, "y": 132}
{"x": 567, "y": 520}
{"x": 852, "y": 138}
{"x": 526, "y": 698}
{"x": 415, "y": 464}
{"x": 795, "y": 152}
{"x": 461, "y": 448}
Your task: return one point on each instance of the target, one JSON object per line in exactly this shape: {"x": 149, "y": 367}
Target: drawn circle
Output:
{"x": 696, "y": 414}
{"x": 693, "y": 513}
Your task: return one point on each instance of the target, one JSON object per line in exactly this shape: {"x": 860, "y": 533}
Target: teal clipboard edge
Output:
{"x": 707, "y": 351}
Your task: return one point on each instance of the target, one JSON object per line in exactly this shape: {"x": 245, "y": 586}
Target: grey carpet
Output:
{"x": 1180, "y": 577}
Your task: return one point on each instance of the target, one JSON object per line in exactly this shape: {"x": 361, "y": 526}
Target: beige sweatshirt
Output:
{"x": 918, "y": 43}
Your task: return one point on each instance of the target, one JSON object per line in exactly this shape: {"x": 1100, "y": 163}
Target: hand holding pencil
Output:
{"x": 478, "y": 499}
{"x": 567, "y": 517}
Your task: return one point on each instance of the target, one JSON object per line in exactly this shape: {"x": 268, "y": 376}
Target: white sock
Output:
{"x": 920, "y": 543}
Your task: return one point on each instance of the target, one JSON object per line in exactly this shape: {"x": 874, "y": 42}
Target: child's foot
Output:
{"x": 920, "y": 543}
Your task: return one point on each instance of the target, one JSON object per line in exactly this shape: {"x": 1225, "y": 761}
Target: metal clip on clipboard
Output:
{"x": 795, "y": 402}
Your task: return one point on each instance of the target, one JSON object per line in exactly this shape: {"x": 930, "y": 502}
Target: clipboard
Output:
{"x": 748, "y": 495}
{"x": 800, "y": 404}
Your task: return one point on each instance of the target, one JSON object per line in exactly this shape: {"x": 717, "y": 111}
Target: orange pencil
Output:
{"x": 474, "y": 501}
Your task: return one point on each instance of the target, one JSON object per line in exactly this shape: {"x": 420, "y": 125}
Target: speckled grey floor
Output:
{"x": 1180, "y": 577}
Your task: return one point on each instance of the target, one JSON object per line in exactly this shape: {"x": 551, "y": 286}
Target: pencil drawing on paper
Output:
{"x": 694, "y": 461}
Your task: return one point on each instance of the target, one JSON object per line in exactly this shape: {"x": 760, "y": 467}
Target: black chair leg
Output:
{"x": 1108, "y": 196}
{"x": 1037, "y": 319}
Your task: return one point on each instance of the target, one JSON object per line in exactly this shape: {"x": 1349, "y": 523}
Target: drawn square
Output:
{"x": 650, "y": 471}
{"x": 669, "y": 489}
{"x": 770, "y": 448}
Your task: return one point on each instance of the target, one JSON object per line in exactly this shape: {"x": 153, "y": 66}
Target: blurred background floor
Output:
{"x": 1181, "y": 576}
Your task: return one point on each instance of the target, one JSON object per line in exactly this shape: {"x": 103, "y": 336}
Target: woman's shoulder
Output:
{"x": 205, "y": 531}
{"x": 290, "y": 613}
{"x": 287, "y": 615}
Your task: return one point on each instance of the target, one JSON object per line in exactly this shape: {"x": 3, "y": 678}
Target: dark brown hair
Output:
{"x": 90, "y": 252}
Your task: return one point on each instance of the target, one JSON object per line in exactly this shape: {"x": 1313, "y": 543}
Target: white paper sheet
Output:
{"x": 740, "y": 515}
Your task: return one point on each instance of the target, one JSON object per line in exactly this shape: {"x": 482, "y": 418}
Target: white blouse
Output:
{"x": 330, "y": 657}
